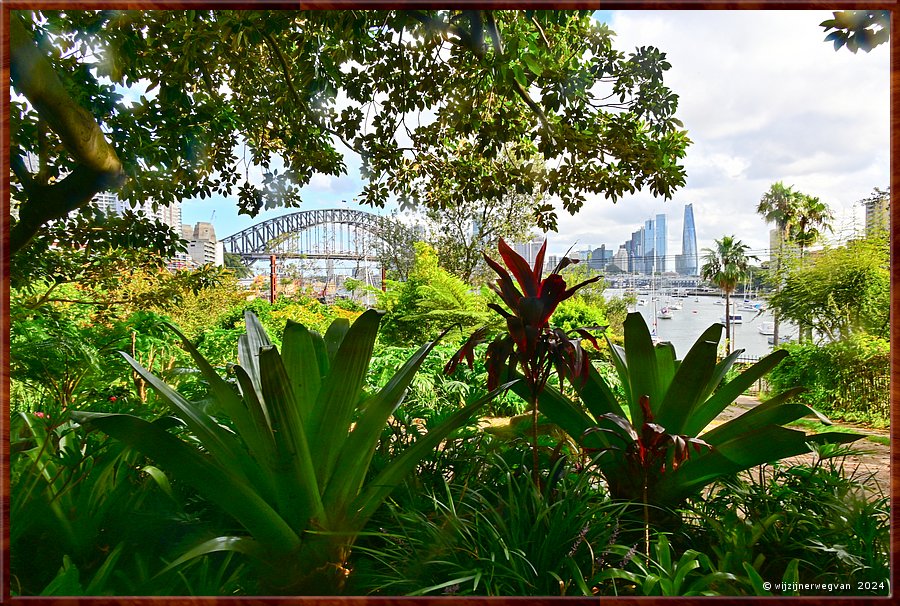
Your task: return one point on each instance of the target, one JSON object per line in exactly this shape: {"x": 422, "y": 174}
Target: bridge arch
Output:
{"x": 334, "y": 233}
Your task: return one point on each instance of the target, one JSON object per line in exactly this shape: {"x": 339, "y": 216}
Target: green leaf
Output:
{"x": 381, "y": 486}
{"x": 65, "y": 582}
{"x": 213, "y": 436}
{"x": 755, "y": 447}
{"x": 519, "y": 75}
{"x": 161, "y": 480}
{"x": 667, "y": 365}
{"x": 771, "y": 412}
{"x": 687, "y": 386}
{"x": 244, "y": 545}
{"x": 756, "y": 581}
{"x": 249, "y": 345}
{"x": 340, "y": 393}
{"x": 334, "y": 336}
{"x": 791, "y": 576}
{"x": 356, "y": 456}
{"x": 99, "y": 582}
{"x": 297, "y": 487}
{"x": 246, "y": 419}
{"x": 597, "y": 395}
{"x": 301, "y": 361}
{"x": 729, "y": 392}
{"x": 533, "y": 64}
{"x": 643, "y": 372}
{"x": 218, "y": 484}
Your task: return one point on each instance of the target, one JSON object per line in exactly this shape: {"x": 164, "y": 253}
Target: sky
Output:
{"x": 763, "y": 98}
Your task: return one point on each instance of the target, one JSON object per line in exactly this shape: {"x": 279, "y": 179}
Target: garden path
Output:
{"x": 869, "y": 458}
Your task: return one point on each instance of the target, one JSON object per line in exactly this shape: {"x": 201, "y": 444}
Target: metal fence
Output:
{"x": 760, "y": 385}
{"x": 865, "y": 390}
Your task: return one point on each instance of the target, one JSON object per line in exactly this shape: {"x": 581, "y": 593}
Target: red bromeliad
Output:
{"x": 530, "y": 342}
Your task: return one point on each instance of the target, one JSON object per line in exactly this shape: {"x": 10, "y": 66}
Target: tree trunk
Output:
{"x": 97, "y": 166}
{"x": 727, "y": 323}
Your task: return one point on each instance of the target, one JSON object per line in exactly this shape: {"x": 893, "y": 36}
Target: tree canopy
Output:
{"x": 441, "y": 105}
{"x": 840, "y": 291}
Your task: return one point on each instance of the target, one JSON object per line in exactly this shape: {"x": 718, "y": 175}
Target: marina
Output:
{"x": 683, "y": 326}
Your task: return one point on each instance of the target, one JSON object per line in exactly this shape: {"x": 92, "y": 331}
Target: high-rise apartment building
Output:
{"x": 621, "y": 258}
{"x": 649, "y": 252}
{"x": 878, "y": 214}
{"x": 111, "y": 204}
{"x": 689, "y": 259}
{"x": 528, "y": 250}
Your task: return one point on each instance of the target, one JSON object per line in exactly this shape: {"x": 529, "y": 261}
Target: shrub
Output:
{"x": 302, "y": 513}
{"x": 846, "y": 379}
{"x": 814, "y": 521}
{"x": 431, "y": 301}
{"x": 578, "y": 313}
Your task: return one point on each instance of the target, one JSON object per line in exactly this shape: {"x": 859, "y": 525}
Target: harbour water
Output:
{"x": 697, "y": 314}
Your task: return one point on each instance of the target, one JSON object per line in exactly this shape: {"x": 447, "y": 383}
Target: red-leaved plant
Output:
{"x": 530, "y": 343}
{"x": 648, "y": 453}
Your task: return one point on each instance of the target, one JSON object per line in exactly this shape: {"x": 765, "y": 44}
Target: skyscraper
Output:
{"x": 689, "y": 242}
{"x": 660, "y": 246}
{"x": 649, "y": 246}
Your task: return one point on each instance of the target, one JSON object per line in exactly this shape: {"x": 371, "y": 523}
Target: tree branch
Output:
{"x": 49, "y": 202}
{"x": 34, "y": 77}
{"x": 494, "y": 32}
{"x": 279, "y": 55}
{"x": 97, "y": 167}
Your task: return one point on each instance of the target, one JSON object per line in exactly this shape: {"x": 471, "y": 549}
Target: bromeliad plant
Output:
{"x": 293, "y": 472}
{"x": 530, "y": 343}
{"x": 646, "y": 441}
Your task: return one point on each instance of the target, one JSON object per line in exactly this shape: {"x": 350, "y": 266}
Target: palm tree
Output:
{"x": 799, "y": 218}
{"x": 779, "y": 205}
{"x": 726, "y": 265}
{"x": 811, "y": 218}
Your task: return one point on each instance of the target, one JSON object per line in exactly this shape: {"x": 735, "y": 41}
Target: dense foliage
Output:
{"x": 839, "y": 292}
{"x": 845, "y": 379}
{"x": 504, "y": 88}
{"x": 473, "y": 494}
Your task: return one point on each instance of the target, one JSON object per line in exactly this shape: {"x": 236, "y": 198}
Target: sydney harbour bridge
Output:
{"x": 348, "y": 238}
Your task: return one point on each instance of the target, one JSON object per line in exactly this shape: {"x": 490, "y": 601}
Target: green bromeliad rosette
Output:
{"x": 656, "y": 445}
{"x": 293, "y": 472}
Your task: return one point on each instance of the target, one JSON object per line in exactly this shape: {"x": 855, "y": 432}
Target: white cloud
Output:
{"x": 764, "y": 99}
